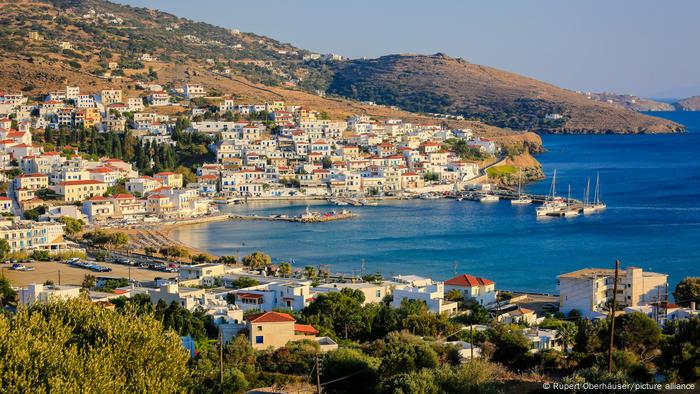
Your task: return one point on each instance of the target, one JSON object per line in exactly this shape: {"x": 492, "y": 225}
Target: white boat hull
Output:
{"x": 489, "y": 199}
{"x": 521, "y": 201}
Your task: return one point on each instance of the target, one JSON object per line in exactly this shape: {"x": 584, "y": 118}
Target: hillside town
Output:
{"x": 280, "y": 151}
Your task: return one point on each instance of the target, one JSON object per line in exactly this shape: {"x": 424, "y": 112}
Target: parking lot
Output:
{"x": 49, "y": 270}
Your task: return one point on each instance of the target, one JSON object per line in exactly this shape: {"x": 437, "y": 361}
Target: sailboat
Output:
{"x": 587, "y": 206}
{"x": 569, "y": 210}
{"x": 521, "y": 200}
{"x": 597, "y": 204}
{"x": 553, "y": 203}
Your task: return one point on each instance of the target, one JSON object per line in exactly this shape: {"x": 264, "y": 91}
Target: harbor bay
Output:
{"x": 651, "y": 184}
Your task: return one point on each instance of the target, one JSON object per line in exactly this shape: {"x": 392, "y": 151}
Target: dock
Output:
{"x": 313, "y": 218}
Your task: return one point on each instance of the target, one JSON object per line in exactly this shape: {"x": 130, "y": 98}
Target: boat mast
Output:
{"x": 520, "y": 184}
{"x": 588, "y": 192}
{"x": 553, "y": 188}
{"x": 568, "y": 199}
{"x": 597, "y": 188}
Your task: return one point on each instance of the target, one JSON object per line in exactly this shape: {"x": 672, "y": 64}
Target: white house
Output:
{"x": 481, "y": 290}
{"x": 411, "y": 287}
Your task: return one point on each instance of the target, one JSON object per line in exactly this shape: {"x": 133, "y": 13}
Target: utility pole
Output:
{"x": 221, "y": 359}
{"x": 318, "y": 377}
{"x": 612, "y": 317}
{"x": 471, "y": 341}
{"x": 658, "y": 305}
{"x": 59, "y": 277}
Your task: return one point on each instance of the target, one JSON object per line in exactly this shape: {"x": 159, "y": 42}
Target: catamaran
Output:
{"x": 553, "y": 202}
{"x": 597, "y": 204}
{"x": 522, "y": 199}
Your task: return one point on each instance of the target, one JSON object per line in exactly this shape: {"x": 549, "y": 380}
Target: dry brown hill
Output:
{"x": 689, "y": 104}
{"x": 442, "y": 84}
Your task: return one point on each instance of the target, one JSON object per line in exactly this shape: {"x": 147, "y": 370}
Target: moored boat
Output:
{"x": 489, "y": 198}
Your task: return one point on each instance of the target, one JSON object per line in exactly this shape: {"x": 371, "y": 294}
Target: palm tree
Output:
{"x": 285, "y": 269}
{"x": 566, "y": 334}
{"x": 310, "y": 271}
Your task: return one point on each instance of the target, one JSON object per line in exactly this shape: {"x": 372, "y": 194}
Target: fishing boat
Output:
{"x": 429, "y": 196}
{"x": 598, "y": 205}
{"x": 553, "y": 203}
{"x": 522, "y": 199}
{"x": 489, "y": 198}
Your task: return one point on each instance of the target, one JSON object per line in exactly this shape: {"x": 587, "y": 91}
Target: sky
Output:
{"x": 643, "y": 47}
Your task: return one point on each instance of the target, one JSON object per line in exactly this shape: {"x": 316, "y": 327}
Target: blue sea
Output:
{"x": 651, "y": 184}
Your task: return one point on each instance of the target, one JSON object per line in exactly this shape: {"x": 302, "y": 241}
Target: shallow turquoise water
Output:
{"x": 651, "y": 184}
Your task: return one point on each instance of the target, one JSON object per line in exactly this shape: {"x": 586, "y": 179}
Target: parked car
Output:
{"x": 18, "y": 267}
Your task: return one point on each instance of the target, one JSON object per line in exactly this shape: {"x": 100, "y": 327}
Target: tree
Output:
{"x": 687, "y": 291}
{"x": 150, "y": 251}
{"x": 7, "y": 294}
{"x": 226, "y": 260}
{"x": 244, "y": 281}
{"x": 257, "y": 260}
{"x": 4, "y": 248}
{"x": 512, "y": 347}
{"x": 201, "y": 258}
{"x": 431, "y": 176}
{"x": 340, "y": 314}
{"x": 403, "y": 353}
{"x": 89, "y": 281}
{"x": 358, "y": 369}
{"x": 326, "y": 162}
{"x": 680, "y": 352}
{"x": 72, "y": 226}
{"x": 285, "y": 269}
{"x": 566, "y": 334}
{"x": 69, "y": 339}
{"x": 419, "y": 382}
{"x": 454, "y": 295}
{"x": 637, "y": 333}
{"x": 310, "y": 272}
{"x": 118, "y": 239}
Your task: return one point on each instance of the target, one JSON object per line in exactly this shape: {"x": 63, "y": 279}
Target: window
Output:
{"x": 259, "y": 328}
{"x": 259, "y": 339}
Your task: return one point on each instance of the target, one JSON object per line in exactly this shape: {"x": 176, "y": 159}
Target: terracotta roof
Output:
{"x": 32, "y": 176}
{"x": 97, "y": 198}
{"x": 4, "y": 198}
{"x": 249, "y": 295}
{"x": 166, "y": 173}
{"x": 124, "y": 196}
{"x": 83, "y": 182}
{"x": 468, "y": 281}
{"x": 305, "y": 329}
{"x": 270, "y": 317}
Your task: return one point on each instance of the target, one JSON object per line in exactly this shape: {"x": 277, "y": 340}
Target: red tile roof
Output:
{"x": 83, "y": 182}
{"x": 468, "y": 281}
{"x": 305, "y": 329}
{"x": 270, "y": 317}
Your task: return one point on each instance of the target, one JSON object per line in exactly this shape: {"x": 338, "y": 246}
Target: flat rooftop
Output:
{"x": 592, "y": 273}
